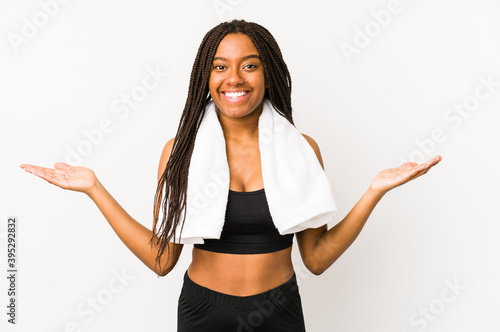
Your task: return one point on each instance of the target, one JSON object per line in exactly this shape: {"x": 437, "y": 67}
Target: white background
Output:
{"x": 366, "y": 111}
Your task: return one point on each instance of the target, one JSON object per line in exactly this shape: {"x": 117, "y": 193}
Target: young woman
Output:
{"x": 238, "y": 65}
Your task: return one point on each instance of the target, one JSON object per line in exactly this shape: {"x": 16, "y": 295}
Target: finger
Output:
{"x": 416, "y": 175}
{"x": 48, "y": 175}
{"x": 422, "y": 170}
{"x": 408, "y": 165}
{"x": 434, "y": 160}
{"x": 60, "y": 165}
{"x": 28, "y": 168}
{"x": 37, "y": 170}
{"x": 42, "y": 172}
{"x": 438, "y": 159}
{"x": 419, "y": 167}
{"x": 406, "y": 175}
{"x": 25, "y": 166}
{"x": 430, "y": 162}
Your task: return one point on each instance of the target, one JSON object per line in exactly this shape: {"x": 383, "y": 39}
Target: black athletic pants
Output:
{"x": 204, "y": 310}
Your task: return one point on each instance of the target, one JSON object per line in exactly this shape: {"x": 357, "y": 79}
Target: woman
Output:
{"x": 238, "y": 65}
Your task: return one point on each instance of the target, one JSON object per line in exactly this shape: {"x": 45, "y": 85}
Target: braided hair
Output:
{"x": 175, "y": 175}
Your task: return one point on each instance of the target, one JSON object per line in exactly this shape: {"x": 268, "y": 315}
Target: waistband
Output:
{"x": 271, "y": 297}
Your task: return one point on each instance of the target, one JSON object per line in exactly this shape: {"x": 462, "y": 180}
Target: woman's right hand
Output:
{"x": 76, "y": 178}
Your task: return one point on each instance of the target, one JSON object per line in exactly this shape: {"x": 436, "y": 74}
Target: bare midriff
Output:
{"x": 241, "y": 275}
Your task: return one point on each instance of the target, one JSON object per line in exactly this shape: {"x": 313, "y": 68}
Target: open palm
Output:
{"x": 69, "y": 177}
{"x": 393, "y": 177}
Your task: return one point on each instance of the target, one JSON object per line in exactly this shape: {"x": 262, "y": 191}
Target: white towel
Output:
{"x": 297, "y": 189}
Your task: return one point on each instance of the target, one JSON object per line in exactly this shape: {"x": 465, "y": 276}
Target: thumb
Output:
{"x": 59, "y": 165}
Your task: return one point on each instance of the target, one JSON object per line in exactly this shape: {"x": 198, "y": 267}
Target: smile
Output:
{"x": 235, "y": 96}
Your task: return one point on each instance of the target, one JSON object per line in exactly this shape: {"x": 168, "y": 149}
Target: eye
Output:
{"x": 250, "y": 66}
{"x": 219, "y": 67}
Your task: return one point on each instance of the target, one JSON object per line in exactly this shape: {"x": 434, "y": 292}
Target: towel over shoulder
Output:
{"x": 298, "y": 192}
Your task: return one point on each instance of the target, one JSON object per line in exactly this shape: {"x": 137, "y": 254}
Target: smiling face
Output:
{"x": 237, "y": 83}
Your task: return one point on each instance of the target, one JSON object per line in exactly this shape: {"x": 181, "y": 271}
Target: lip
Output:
{"x": 235, "y": 100}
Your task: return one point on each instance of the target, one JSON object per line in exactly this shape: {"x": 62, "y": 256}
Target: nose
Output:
{"x": 234, "y": 77}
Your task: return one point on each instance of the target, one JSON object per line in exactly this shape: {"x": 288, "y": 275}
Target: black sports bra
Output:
{"x": 248, "y": 227}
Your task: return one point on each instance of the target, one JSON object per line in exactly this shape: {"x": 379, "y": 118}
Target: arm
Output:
{"x": 320, "y": 247}
{"x": 133, "y": 234}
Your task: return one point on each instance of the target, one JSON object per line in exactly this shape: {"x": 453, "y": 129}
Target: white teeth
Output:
{"x": 235, "y": 94}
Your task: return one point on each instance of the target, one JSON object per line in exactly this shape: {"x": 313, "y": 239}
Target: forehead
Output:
{"x": 236, "y": 45}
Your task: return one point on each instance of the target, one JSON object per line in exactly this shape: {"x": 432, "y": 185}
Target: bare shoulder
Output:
{"x": 165, "y": 154}
{"x": 315, "y": 147}
{"x": 312, "y": 142}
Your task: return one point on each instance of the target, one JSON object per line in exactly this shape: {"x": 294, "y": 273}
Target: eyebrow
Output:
{"x": 246, "y": 57}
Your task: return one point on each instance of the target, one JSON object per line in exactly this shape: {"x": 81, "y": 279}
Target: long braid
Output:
{"x": 175, "y": 176}
{"x": 280, "y": 82}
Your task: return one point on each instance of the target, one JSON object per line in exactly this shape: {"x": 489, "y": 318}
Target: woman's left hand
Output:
{"x": 393, "y": 177}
